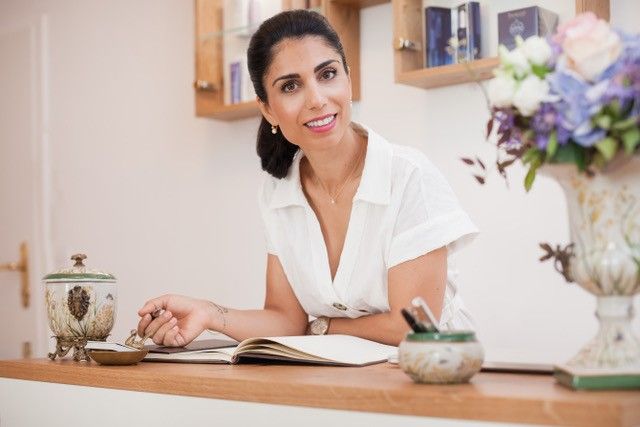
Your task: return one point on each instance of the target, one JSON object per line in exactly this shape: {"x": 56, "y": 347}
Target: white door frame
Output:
{"x": 40, "y": 252}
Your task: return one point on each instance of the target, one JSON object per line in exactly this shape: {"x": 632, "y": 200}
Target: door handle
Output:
{"x": 21, "y": 266}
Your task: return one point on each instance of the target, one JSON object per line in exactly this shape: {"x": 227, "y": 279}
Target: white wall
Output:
{"x": 167, "y": 201}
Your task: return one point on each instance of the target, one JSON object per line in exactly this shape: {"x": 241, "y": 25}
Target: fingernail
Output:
{"x": 173, "y": 320}
{"x": 167, "y": 314}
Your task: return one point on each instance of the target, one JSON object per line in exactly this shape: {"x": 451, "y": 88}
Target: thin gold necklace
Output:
{"x": 334, "y": 197}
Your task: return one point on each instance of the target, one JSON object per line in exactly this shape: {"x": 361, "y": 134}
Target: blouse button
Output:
{"x": 340, "y": 306}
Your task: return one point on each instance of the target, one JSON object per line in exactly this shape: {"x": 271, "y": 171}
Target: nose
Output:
{"x": 315, "y": 98}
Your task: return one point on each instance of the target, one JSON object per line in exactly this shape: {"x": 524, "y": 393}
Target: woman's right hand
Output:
{"x": 184, "y": 318}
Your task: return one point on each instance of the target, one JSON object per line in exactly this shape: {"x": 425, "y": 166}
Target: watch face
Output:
{"x": 319, "y": 326}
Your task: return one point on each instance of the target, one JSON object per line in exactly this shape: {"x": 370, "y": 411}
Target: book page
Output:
{"x": 343, "y": 349}
{"x": 219, "y": 355}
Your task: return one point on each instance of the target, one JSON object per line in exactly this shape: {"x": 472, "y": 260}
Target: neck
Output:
{"x": 331, "y": 172}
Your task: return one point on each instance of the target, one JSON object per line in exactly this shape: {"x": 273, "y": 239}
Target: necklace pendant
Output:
{"x": 333, "y": 202}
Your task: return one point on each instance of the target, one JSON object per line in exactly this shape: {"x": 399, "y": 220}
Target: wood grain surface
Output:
{"x": 533, "y": 399}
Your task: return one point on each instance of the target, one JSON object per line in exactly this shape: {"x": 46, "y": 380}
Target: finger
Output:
{"x": 153, "y": 305}
{"x": 170, "y": 337}
{"x": 158, "y": 337}
{"x": 180, "y": 340}
{"x": 143, "y": 324}
{"x": 157, "y": 324}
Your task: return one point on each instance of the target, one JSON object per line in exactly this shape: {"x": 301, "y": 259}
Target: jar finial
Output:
{"x": 78, "y": 258}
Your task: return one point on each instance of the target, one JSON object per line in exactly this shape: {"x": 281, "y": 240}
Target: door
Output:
{"x": 19, "y": 133}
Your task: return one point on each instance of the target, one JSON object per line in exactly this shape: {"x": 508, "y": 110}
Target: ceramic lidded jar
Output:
{"x": 441, "y": 357}
{"x": 81, "y": 306}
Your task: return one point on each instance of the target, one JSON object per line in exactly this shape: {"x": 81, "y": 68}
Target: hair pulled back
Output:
{"x": 275, "y": 151}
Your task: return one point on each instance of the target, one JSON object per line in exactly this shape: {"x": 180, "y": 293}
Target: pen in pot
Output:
{"x": 411, "y": 321}
{"x": 421, "y": 305}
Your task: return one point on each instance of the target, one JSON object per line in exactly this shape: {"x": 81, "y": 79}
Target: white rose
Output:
{"x": 537, "y": 50}
{"x": 501, "y": 90}
{"x": 516, "y": 60}
{"x": 530, "y": 93}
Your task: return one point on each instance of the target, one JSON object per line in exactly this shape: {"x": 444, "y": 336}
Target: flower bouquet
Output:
{"x": 569, "y": 107}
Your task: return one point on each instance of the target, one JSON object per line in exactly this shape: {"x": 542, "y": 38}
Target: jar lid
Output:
{"x": 78, "y": 273}
{"x": 442, "y": 336}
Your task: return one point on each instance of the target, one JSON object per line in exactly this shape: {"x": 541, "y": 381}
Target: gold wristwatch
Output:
{"x": 320, "y": 326}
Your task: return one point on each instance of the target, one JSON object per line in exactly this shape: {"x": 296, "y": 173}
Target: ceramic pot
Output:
{"x": 440, "y": 358}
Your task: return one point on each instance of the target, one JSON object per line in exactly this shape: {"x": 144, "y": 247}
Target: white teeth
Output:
{"x": 323, "y": 122}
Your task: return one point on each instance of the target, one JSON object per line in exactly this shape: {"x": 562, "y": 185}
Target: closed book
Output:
{"x": 525, "y": 22}
{"x": 597, "y": 379}
{"x": 235, "y": 72}
{"x": 336, "y": 350}
{"x": 468, "y": 31}
{"x": 438, "y": 34}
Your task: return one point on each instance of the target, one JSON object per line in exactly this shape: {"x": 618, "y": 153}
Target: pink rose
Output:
{"x": 589, "y": 45}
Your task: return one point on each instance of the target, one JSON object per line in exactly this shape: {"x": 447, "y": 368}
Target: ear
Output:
{"x": 265, "y": 109}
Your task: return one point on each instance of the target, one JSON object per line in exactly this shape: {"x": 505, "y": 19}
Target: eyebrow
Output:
{"x": 295, "y": 75}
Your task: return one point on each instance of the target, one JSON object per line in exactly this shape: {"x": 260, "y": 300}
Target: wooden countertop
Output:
{"x": 533, "y": 399}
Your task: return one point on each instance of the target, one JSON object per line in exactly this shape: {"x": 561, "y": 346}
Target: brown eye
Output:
{"x": 328, "y": 74}
{"x": 289, "y": 86}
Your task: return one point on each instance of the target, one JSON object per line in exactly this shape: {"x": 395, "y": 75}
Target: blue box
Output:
{"x": 438, "y": 33}
{"x": 525, "y": 22}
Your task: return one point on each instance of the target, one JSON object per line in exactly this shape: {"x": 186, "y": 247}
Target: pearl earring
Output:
{"x": 274, "y": 129}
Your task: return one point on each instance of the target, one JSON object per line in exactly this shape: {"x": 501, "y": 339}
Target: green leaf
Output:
{"x": 599, "y": 160}
{"x": 552, "y": 144}
{"x": 630, "y": 140}
{"x": 530, "y": 155}
{"x": 531, "y": 176}
{"x": 607, "y": 147}
{"x": 625, "y": 124}
{"x": 570, "y": 153}
{"x": 615, "y": 108}
{"x": 539, "y": 70}
{"x": 603, "y": 121}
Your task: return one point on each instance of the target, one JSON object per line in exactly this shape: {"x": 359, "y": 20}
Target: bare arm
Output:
{"x": 425, "y": 276}
{"x": 185, "y": 318}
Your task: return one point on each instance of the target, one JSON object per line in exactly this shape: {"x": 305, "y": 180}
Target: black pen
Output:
{"x": 415, "y": 326}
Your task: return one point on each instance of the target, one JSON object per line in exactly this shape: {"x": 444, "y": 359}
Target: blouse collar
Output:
{"x": 375, "y": 183}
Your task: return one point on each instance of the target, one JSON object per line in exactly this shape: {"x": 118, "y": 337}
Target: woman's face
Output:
{"x": 309, "y": 93}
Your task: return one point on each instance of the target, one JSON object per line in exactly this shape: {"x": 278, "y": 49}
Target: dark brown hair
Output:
{"x": 275, "y": 151}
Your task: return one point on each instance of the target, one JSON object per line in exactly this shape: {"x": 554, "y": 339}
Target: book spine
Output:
{"x": 438, "y": 32}
{"x": 463, "y": 52}
{"x": 474, "y": 27}
{"x": 235, "y": 75}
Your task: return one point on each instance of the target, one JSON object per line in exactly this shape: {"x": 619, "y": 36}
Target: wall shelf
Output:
{"x": 408, "y": 24}
{"x": 448, "y": 75}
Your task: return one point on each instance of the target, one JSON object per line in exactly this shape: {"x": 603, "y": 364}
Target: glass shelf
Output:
{"x": 243, "y": 31}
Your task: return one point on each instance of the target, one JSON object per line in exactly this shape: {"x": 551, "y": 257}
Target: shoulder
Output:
{"x": 267, "y": 189}
{"x": 410, "y": 166}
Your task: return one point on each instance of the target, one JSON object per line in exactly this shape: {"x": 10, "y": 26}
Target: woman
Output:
{"x": 356, "y": 227}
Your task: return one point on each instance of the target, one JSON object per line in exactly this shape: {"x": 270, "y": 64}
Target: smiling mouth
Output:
{"x": 322, "y": 122}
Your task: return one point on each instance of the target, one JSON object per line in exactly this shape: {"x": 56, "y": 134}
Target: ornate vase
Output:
{"x": 604, "y": 218}
{"x": 81, "y": 306}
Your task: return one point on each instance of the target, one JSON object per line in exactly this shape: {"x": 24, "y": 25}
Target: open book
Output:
{"x": 338, "y": 350}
